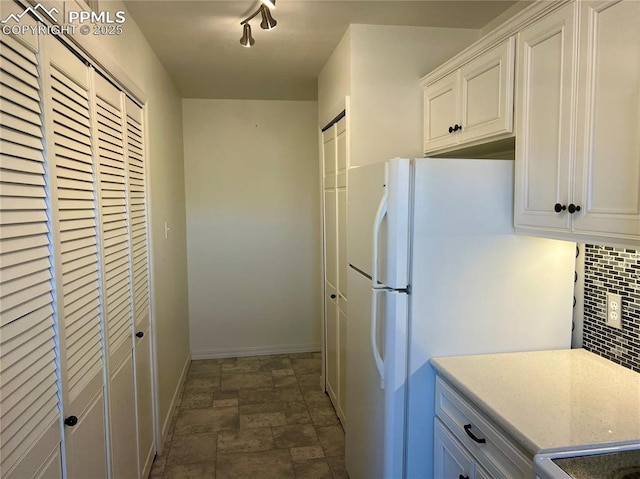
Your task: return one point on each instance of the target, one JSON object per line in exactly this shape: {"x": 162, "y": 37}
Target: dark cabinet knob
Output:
{"x": 451, "y": 130}
{"x": 139, "y": 334}
{"x": 573, "y": 208}
{"x": 71, "y": 421}
{"x": 463, "y": 477}
{"x": 333, "y": 296}
{"x": 457, "y": 127}
{"x": 558, "y": 207}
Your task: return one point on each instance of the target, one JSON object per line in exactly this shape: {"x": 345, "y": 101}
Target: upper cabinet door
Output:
{"x": 607, "y": 180}
{"x": 487, "y": 93}
{"x": 544, "y": 105}
{"x": 441, "y": 112}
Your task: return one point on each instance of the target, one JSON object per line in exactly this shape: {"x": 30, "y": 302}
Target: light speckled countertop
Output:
{"x": 551, "y": 400}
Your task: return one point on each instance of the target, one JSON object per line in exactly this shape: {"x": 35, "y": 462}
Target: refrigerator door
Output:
{"x": 476, "y": 286}
{"x": 375, "y": 436}
{"x": 378, "y": 221}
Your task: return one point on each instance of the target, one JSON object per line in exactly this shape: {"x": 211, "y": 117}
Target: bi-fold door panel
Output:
{"x": 70, "y": 144}
{"x": 29, "y": 405}
{"x": 137, "y": 196}
{"x": 109, "y": 127}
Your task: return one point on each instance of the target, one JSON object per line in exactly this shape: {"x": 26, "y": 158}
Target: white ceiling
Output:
{"x": 198, "y": 41}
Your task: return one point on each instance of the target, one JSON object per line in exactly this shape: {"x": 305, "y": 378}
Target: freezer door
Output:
{"x": 378, "y": 221}
{"x": 375, "y": 436}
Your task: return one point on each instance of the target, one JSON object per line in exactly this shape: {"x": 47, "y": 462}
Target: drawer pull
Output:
{"x": 479, "y": 440}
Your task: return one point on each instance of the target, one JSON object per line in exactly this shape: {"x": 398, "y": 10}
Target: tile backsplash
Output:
{"x": 613, "y": 270}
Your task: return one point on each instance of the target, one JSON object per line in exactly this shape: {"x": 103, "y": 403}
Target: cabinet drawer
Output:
{"x": 498, "y": 453}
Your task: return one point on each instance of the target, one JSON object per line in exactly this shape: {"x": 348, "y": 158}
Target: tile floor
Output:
{"x": 261, "y": 417}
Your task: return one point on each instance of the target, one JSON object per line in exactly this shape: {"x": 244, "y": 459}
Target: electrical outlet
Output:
{"x": 614, "y": 310}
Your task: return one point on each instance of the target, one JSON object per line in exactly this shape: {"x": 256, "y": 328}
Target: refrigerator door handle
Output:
{"x": 374, "y": 336}
{"x": 377, "y": 224}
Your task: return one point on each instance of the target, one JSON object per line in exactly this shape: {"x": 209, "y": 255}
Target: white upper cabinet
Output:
{"x": 471, "y": 103}
{"x": 546, "y": 59}
{"x": 607, "y": 172}
{"x": 441, "y": 112}
{"x": 577, "y": 153}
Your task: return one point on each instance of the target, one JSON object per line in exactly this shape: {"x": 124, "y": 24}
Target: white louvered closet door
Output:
{"x": 109, "y": 128}
{"x": 74, "y": 206}
{"x": 136, "y": 188}
{"x": 29, "y": 407}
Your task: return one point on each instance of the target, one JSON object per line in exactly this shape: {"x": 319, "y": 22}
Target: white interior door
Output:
{"x": 29, "y": 406}
{"x": 137, "y": 192}
{"x": 70, "y": 143}
{"x": 109, "y": 127}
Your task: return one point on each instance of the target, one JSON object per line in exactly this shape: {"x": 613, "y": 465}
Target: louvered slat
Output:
{"x": 115, "y": 227}
{"x": 136, "y": 193}
{"x": 78, "y": 229}
{"x": 28, "y": 375}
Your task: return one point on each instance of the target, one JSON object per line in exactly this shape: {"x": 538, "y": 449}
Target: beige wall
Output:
{"x": 386, "y": 105}
{"x": 132, "y": 54}
{"x": 334, "y": 82}
{"x": 252, "y": 226}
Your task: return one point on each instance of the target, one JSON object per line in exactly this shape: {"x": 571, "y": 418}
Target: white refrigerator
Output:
{"x": 435, "y": 269}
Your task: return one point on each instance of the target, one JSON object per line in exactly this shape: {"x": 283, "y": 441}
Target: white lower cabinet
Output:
{"x": 452, "y": 461}
{"x": 468, "y": 445}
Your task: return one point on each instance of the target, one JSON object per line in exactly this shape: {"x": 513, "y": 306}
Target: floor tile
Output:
{"x": 258, "y": 395}
{"x": 196, "y": 400}
{"x": 260, "y": 408}
{"x": 274, "y": 464}
{"x": 309, "y": 381}
{"x": 245, "y": 440}
{"x": 290, "y": 393}
{"x": 246, "y": 380}
{"x": 332, "y": 440}
{"x": 317, "y": 397}
{"x": 275, "y": 363}
{"x": 200, "y": 421}
{"x": 204, "y": 369}
{"x": 202, "y": 384}
{"x": 338, "y": 467}
{"x": 284, "y": 381}
{"x": 194, "y": 448}
{"x": 269, "y": 419}
{"x": 323, "y": 415}
{"x": 297, "y": 412}
{"x": 258, "y": 417}
{"x": 225, "y": 402}
{"x": 304, "y": 453}
{"x": 313, "y": 469}
{"x": 306, "y": 365}
{"x": 248, "y": 366}
{"x": 190, "y": 471}
{"x": 294, "y": 435}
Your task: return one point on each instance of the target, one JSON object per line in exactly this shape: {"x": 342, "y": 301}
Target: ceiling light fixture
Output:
{"x": 247, "y": 40}
{"x": 269, "y": 3}
{"x": 268, "y": 22}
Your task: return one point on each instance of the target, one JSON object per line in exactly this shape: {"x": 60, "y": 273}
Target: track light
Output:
{"x": 269, "y": 3}
{"x": 247, "y": 40}
{"x": 267, "y": 23}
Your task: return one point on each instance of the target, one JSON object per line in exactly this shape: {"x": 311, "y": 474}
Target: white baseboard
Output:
{"x": 255, "y": 351}
{"x": 174, "y": 402}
